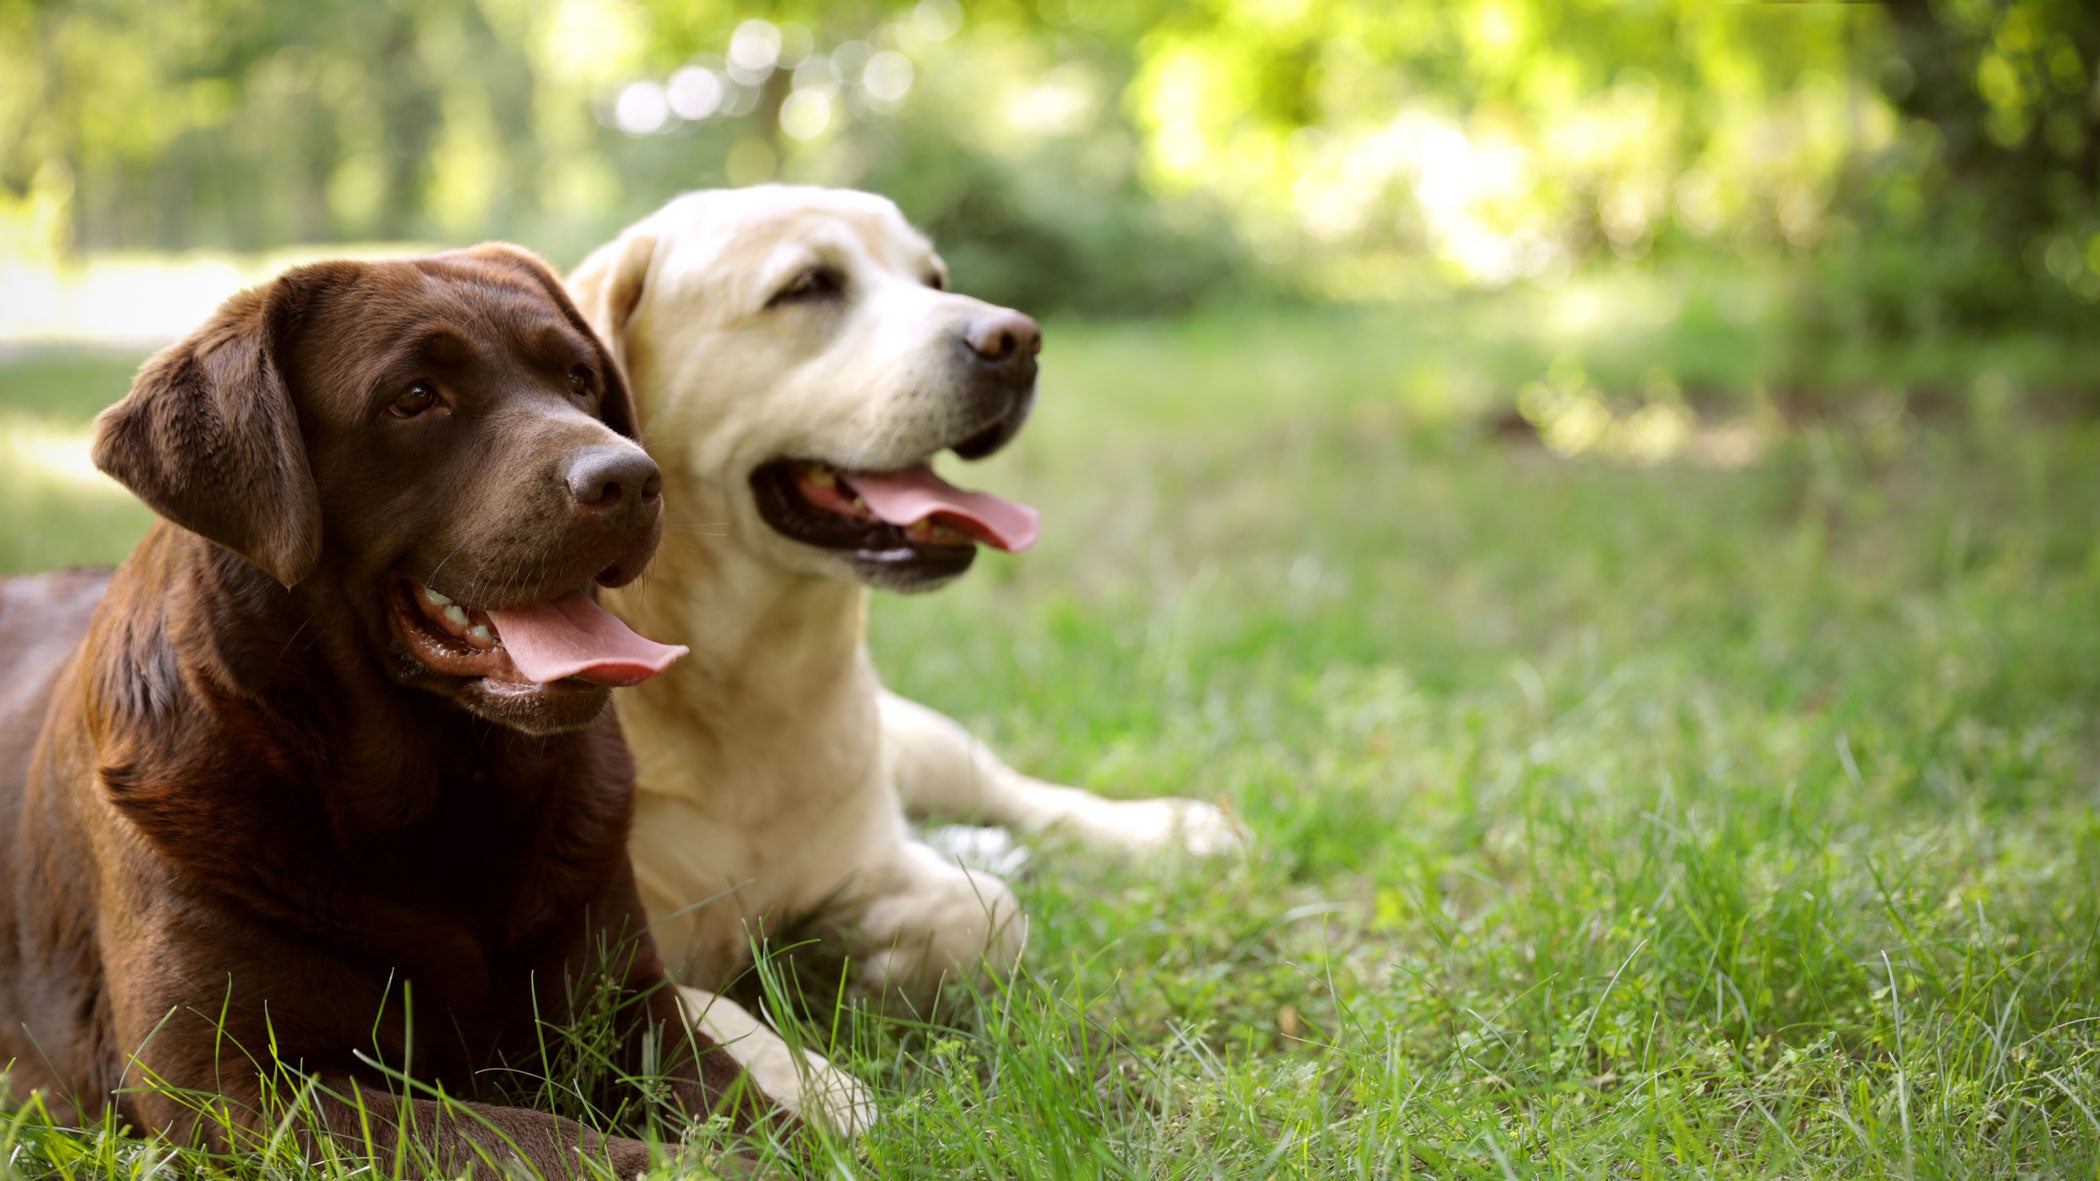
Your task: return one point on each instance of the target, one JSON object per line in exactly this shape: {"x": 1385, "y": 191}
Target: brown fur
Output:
{"x": 235, "y": 813}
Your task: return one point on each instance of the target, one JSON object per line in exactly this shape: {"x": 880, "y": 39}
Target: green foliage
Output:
{"x": 1984, "y": 211}
{"x": 1932, "y": 164}
{"x": 1047, "y": 231}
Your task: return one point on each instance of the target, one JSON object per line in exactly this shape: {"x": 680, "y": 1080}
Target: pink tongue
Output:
{"x": 574, "y": 637}
{"x": 914, "y": 494}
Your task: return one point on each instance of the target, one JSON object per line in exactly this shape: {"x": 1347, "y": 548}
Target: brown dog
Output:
{"x": 322, "y": 776}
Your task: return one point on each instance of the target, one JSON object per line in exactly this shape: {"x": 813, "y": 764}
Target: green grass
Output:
{"x": 1611, "y": 819}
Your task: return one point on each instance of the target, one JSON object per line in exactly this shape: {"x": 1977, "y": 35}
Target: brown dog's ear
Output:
{"x": 617, "y": 407}
{"x": 208, "y": 438}
{"x": 608, "y": 285}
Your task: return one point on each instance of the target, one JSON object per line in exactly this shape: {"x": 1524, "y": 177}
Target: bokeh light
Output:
{"x": 695, "y": 92}
{"x": 643, "y": 107}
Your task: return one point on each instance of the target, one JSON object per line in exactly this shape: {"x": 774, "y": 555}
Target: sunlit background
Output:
{"x": 1609, "y": 491}
{"x": 1805, "y": 187}
{"x": 1324, "y": 149}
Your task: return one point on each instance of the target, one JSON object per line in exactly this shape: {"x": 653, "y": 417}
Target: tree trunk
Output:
{"x": 409, "y": 113}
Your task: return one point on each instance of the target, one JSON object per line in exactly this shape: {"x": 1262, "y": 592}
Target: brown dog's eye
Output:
{"x": 580, "y": 380}
{"x": 418, "y": 397}
{"x": 814, "y": 283}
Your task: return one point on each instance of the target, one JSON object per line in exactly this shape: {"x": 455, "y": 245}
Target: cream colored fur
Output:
{"x": 776, "y": 773}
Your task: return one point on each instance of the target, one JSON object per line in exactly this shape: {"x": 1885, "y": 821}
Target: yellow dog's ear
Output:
{"x": 209, "y": 438}
{"x": 608, "y": 285}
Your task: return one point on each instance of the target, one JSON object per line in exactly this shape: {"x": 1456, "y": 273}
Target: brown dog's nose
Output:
{"x": 1002, "y": 336}
{"x": 613, "y": 476}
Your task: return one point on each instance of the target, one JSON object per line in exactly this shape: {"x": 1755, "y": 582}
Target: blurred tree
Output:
{"x": 2010, "y": 89}
{"x": 2007, "y": 106}
{"x": 1938, "y": 157}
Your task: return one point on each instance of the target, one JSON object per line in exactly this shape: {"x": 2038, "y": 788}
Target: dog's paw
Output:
{"x": 1166, "y": 825}
{"x": 804, "y": 1084}
{"x": 834, "y": 1099}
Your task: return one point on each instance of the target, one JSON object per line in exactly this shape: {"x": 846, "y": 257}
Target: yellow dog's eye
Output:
{"x": 814, "y": 283}
{"x": 580, "y": 380}
{"x": 418, "y": 397}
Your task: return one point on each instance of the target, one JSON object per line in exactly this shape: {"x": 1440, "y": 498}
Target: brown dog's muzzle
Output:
{"x": 617, "y": 483}
{"x": 584, "y": 501}
{"x": 509, "y": 618}
{"x": 612, "y": 495}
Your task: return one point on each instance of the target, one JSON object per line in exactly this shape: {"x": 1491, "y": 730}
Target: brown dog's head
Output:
{"x": 441, "y": 445}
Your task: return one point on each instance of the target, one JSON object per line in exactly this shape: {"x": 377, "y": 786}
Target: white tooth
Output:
{"x": 436, "y": 599}
{"x": 456, "y": 615}
{"x": 859, "y": 503}
{"x": 822, "y": 477}
{"x": 480, "y": 633}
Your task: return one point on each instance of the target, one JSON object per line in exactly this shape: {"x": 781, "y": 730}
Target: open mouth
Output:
{"x": 891, "y": 515}
{"x": 568, "y": 640}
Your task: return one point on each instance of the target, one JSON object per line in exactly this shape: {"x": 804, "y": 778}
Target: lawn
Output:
{"x": 1709, "y": 793}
